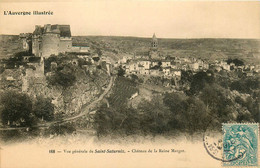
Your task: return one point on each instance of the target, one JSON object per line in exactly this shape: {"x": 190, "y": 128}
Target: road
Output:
{"x": 85, "y": 110}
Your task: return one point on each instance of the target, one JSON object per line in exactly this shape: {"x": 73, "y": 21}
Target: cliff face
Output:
{"x": 85, "y": 89}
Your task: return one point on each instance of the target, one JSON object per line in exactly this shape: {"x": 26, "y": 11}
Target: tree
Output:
{"x": 16, "y": 109}
{"x": 96, "y": 59}
{"x": 120, "y": 71}
{"x": 199, "y": 81}
{"x": 236, "y": 61}
{"x": 43, "y": 109}
{"x": 61, "y": 129}
{"x": 197, "y": 116}
{"x": 186, "y": 76}
{"x": 217, "y": 101}
{"x": 64, "y": 76}
{"x": 116, "y": 120}
{"x": 48, "y": 61}
{"x": 187, "y": 113}
{"x": 154, "y": 116}
{"x": 246, "y": 85}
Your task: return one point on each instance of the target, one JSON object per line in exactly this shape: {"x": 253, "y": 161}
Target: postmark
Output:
{"x": 214, "y": 143}
{"x": 240, "y": 144}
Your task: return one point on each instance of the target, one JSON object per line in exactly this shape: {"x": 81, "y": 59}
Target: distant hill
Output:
{"x": 9, "y": 44}
{"x": 210, "y": 49}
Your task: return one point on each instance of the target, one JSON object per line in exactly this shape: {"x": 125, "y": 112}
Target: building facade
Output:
{"x": 51, "y": 39}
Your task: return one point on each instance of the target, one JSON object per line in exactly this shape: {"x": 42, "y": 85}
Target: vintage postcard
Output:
{"x": 129, "y": 83}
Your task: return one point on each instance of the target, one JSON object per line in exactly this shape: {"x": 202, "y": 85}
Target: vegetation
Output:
{"x": 60, "y": 129}
{"x": 208, "y": 101}
{"x": 205, "y": 96}
{"x": 120, "y": 71}
{"x": 63, "y": 76}
{"x": 116, "y": 120}
{"x": 199, "y": 80}
{"x": 16, "y": 109}
{"x": 246, "y": 85}
{"x": 16, "y": 60}
{"x": 175, "y": 112}
{"x": 236, "y": 61}
{"x": 43, "y": 109}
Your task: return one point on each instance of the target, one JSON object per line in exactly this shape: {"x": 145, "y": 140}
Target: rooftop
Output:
{"x": 63, "y": 30}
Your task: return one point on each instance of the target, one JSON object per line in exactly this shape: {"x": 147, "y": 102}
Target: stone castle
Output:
{"x": 50, "y": 40}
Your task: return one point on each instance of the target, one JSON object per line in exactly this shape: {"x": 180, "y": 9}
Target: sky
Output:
{"x": 142, "y": 18}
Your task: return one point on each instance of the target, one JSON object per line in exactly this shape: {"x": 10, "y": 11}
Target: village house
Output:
{"x": 167, "y": 71}
{"x": 155, "y": 72}
{"x": 166, "y": 63}
{"x": 153, "y": 66}
{"x": 145, "y": 63}
{"x": 226, "y": 67}
{"x": 154, "y": 63}
{"x": 194, "y": 66}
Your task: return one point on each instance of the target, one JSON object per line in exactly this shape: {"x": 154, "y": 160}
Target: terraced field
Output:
{"x": 122, "y": 90}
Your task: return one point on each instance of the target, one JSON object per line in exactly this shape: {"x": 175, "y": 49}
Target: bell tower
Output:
{"x": 154, "y": 44}
{"x": 154, "y": 53}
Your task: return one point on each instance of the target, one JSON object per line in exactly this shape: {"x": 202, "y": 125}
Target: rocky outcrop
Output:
{"x": 70, "y": 100}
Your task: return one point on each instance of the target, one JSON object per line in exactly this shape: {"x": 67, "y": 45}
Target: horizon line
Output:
{"x": 238, "y": 38}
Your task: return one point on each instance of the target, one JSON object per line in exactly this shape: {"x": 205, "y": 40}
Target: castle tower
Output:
{"x": 50, "y": 42}
{"x": 36, "y": 40}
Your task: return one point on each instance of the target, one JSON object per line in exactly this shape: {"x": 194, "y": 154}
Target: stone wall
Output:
{"x": 35, "y": 45}
{"x": 65, "y": 45}
{"x": 50, "y": 44}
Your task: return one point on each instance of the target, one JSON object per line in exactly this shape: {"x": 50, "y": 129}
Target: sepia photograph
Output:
{"x": 134, "y": 83}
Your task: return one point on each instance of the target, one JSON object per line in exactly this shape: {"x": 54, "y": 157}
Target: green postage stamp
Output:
{"x": 240, "y": 144}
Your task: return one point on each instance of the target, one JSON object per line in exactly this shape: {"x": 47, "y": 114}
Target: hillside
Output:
{"x": 210, "y": 49}
{"x": 10, "y": 44}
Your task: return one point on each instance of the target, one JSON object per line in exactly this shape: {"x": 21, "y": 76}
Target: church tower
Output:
{"x": 154, "y": 45}
{"x": 154, "y": 53}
